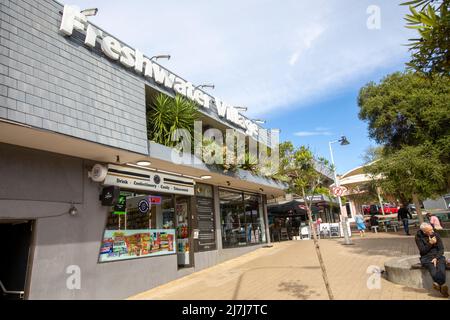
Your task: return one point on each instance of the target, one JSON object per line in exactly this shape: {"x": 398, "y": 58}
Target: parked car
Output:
{"x": 388, "y": 209}
{"x": 376, "y": 209}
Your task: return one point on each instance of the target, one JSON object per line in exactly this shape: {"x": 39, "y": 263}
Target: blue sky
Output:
{"x": 297, "y": 64}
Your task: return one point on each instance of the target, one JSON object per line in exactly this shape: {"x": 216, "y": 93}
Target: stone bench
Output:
{"x": 409, "y": 272}
{"x": 419, "y": 266}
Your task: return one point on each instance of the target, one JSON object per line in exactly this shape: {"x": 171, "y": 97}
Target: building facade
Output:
{"x": 91, "y": 209}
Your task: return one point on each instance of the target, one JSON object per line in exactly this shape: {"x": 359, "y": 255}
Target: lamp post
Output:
{"x": 343, "y": 141}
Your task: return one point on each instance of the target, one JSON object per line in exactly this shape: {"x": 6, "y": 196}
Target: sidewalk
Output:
{"x": 290, "y": 270}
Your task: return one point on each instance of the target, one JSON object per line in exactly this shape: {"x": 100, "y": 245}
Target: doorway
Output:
{"x": 183, "y": 217}
{"x": 15, "y": 236}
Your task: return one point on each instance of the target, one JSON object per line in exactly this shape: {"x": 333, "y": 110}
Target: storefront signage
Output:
{"x": 156, "y": 200}
{"x": 136, "y": 179}
{"x": 134, "y": 59}
{"x": 143, "y": 206}
{"x": 121, "y": 206}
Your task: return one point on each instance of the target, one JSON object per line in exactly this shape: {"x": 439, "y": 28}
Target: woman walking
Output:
{"x": 359, "y": 219}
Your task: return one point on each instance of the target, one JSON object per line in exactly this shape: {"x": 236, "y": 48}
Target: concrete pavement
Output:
{"x": 290, "y": 270}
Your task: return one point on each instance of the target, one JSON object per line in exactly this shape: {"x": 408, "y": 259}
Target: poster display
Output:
{"x": 131, "y": 244}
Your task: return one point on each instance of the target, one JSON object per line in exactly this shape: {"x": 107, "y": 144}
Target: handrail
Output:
{"x": 21, "y": 293}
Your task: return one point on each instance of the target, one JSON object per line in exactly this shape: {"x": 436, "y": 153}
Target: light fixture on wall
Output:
{"x": 73, "y": 211}
{"x": 202, "y": 86}
{"x": 259, "y": 121}
{"x": 241, "y": 108}
{"x": 144, "y": 163}
{"x": 205, "y": 177}
{"x": 90, "y": 12}
{"x": 161, "y": 56}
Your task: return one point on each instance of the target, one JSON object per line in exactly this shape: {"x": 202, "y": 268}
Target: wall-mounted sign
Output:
{"x": 136, "y": 179}
{"x": 73, "y": 19}
{"x": 109, "y": 195}
{"x": 121, "y": 206}
{"x": 155, "y": 200}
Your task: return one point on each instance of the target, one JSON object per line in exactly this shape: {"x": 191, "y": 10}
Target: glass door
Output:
{"x": 184, "y": 231}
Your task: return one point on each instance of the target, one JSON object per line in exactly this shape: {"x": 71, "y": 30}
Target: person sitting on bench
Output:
{"x": 374, "y": 222}
{"x": 432, "y": 257}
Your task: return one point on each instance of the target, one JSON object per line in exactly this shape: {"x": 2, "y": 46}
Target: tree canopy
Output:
{"x": 408, "y": 109}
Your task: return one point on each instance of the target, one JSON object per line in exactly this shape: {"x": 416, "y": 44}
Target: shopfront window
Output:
{"x": 242, "y": 219}
{"x": 139, "y": 225}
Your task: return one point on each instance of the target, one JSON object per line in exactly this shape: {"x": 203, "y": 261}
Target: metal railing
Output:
{"x": 20, "y": 293}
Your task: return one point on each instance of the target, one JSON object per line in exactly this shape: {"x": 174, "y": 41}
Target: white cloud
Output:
{"x": 294, "y": 58}
{"x": 316, "y": 132}
{"x": 243, "y": 46}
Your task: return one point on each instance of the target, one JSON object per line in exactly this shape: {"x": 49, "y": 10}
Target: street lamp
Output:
{"x": 241, "y": 108}
{"x": 259, "y": 121}
{"x": 161, "y": 56}
{"x": 343, "y": 142}
{"x": 89, "y": 12}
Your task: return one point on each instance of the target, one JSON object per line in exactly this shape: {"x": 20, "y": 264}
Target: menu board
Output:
{"x": 206, "y": 226}
{"x": 131, "y": 244}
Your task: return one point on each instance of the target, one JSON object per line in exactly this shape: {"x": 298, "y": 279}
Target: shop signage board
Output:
{"x": 206, "y": 228}
{"x": 73, "y": 19}
{"x": 120, "y": 207}
{"x": 144, "y": 206}
{"x": 136, "y": 179}
{"x": 155, "y": 200}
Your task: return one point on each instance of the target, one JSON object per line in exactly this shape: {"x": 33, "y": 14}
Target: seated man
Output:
{"x": 432, "y": 257}
{"x": 373, "y": 221}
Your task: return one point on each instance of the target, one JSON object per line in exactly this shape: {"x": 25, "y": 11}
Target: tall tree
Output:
{"x": 409, "y": 115}
{"x": 408, "y": 109}
{"x": 303, "y": 173}
{"x": 431, "y": 51}
{"x": 412, "y": 172}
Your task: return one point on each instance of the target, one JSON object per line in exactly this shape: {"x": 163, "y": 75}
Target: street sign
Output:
{"x": 338, "y": 191}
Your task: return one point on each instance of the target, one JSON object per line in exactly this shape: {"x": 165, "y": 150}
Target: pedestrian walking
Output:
{"x": 359, "y": 219}
{"x": 402, "y": 215}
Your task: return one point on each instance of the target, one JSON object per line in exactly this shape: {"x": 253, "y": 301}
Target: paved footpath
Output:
{"x": 290, "y": 270}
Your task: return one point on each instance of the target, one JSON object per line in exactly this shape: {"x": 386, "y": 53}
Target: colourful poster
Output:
{"x": 131, "y": 244}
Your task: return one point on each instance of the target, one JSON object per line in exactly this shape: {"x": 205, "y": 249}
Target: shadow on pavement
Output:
{"x": 286, "y": 285}
{"x": 297, "y": 290}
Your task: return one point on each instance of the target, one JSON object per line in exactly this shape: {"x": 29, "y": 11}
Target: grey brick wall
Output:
{"x": 56, "y": 83}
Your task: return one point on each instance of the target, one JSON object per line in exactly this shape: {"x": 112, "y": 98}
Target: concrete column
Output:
{"x": 217, "y": 217}
{"x": 266, "y": 218}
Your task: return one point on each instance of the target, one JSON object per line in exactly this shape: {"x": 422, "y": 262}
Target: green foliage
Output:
{"x": 408, "y": 109}
{"x": 166, "y": 114}
{"x": 302, "y": 171}
{"x": 372, "y": 154}
{"x": 411, "y": 170}
{"x": 431, "y": 51}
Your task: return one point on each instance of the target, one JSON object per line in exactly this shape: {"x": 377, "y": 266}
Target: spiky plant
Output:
{"x": 166, "y": 114}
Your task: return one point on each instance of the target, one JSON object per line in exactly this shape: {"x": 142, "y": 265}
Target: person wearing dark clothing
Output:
{"x": 402, "y": 215}
{"x": 432, "y": 257}
{"x": 373, "y": 222}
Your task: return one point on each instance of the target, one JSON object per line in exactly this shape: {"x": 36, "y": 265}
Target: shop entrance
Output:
{"x": 15, "y": 237}
{"x": 183, "y": 217}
